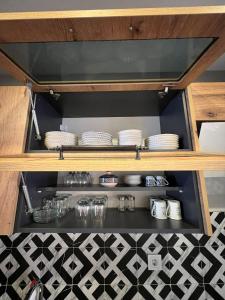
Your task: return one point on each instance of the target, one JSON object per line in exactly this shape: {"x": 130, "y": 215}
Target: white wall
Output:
{"x": 212, "y": 139}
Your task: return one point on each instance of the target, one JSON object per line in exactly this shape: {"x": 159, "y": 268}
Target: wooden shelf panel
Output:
{"x": 160, "y": 161}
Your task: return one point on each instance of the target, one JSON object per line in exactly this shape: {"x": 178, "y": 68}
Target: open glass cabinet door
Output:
{"x": 129, "y": 49}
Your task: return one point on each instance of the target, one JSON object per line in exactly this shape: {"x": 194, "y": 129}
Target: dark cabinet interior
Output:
{"x": 149, "y": 111}
{"x": 183, "y": 187}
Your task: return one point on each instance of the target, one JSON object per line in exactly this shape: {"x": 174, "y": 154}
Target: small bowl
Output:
{"x": 132, "y": 180}
{"x": 109, "y": 184}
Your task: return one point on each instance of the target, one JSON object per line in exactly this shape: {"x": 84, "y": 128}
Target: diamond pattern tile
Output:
{"x": 114, "y": 266}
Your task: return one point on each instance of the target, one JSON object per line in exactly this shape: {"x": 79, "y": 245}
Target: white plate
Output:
{"x": 59, "y": 133}
{"x": 127, "y": 131}
{"x": 130, "y": 140}
{"x": 109, "y": 184}
{"x": 96, "y": 134}
{"x": 166, "y": 135}
{"x": 163, "y": 137}
{"x": 163, "y": 144}
{"x": 95, "y": 144}
{"x": 163, "y": 148}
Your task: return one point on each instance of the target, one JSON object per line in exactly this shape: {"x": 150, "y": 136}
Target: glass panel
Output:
{"x": 94, "y": 61}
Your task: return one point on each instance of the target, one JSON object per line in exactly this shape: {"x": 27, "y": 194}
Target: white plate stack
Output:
{"x": 94, "y": 138}
{"x": 54, "y": 139}
{"x": 130, "y": 137}
{"x": 162, "y": 142}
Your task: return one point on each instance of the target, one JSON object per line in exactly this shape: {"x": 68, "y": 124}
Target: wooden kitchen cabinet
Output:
{"x": 64, "y": 57}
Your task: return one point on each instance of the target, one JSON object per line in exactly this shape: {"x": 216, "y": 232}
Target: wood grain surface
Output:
{"x": 200, "y": 175}
{"x": 14, "y": 107}
{"x": 123, "y": 24}
{"x": 102, "y": 161}
{"x": 209, "y": 101}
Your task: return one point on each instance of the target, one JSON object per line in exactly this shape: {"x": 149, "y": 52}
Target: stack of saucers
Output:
{"x": 130, "y": 137}
{"x": 162, "y": 142}
{"x": 94, "y": 138}
{"x": 54, "y": 139}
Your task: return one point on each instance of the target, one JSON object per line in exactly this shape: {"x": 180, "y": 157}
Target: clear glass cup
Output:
{"x": 83, "y": 208}
{"x": 122, "y": 202}
{"x": 69, "y": 179}
{"x": 60, "y": 204}
{"x": 47, "y": 202}
{"x": 130, "y": 203}
{"x": 99, "y": 205}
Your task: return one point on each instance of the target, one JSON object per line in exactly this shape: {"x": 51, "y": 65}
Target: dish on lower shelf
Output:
{"x": 132, "y": 180}
{"x": 109, "y": 184}
{"x": 108, "y": 180}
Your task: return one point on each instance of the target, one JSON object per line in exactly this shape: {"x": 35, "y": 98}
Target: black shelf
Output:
{"x": 138, "y": 221}
{"x": 120, "y": 188}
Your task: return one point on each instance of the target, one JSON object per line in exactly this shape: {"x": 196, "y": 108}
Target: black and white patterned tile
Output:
{"x": 153, "y": 277}
{"x": 114, "y": 266}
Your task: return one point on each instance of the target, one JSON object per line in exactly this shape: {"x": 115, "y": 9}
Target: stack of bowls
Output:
{"x": 94, "y": 138}
{"x": 130, "y": 137}
{"x": 54, "y": 139}
{"x": 162, "y": 142}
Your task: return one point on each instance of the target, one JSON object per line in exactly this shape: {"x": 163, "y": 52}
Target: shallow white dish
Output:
{"x": 109, "y": 184}
{"x": 165, "y": 135}
{"x": 131, "y": 131}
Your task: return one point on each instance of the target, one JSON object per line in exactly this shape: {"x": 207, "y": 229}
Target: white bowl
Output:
{"x": 109, "y": 184}
{"x": 132, "y": 180}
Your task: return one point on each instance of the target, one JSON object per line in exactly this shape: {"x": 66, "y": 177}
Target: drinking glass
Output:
{"x": 83, "y": 208}
{"x": 99, "y": 205}
{"x": 60, "y": 204}
{"x": 69, "y": 179}
{"x": 122, "y": 200}
{"x": 130, "y": 202}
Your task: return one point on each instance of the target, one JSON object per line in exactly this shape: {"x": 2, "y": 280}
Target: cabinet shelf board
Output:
{"x": 114, "y": 189}
{"x": 115, "y": 221}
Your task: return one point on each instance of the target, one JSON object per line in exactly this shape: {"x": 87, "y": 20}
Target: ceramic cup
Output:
{"x": 150, "y": 180}
{"x": 159, "y": 209}
{"x": 161, "y": 181}
{"x": 173, "y": 209}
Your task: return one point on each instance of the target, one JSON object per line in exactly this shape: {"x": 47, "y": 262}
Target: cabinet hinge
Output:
{"x": 54, "y": 95}
{"x": 26, "y": 196}
{"x": 34, "y": 115}
{"x": 163, "y": 93}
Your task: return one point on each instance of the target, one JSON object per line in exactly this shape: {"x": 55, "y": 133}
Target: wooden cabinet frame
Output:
{"x": 115, "y": 24}
{"x": 14, "y": 161}
{"x": 14, "y": 111}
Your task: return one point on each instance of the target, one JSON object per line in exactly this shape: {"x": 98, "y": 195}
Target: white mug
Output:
{"x": 173, "y": 209}
{"x": 151, "y": 201}
{"x": 159, "y": 209}
{"x": 161, "y": 181}
{"x": 150, "y": 181}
